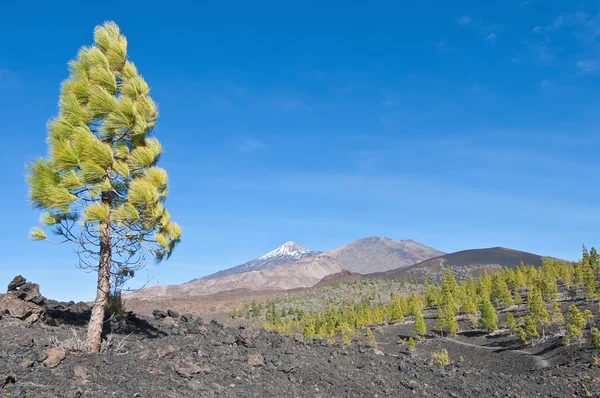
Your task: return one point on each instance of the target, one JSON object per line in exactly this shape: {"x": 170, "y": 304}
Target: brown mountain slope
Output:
{"x": 377, "y": 254}
{"x": 464, "y": 264}
{"x": 304, "y": 273}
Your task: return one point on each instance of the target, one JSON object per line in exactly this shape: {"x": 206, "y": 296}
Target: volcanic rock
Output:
{"x": 55, "y": 357}
{"x": 17, "y": 282}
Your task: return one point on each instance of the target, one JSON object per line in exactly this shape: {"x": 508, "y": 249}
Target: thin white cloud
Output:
{"x": 525, "y": 3}
{"x": 314, "y": 74}
{"x": 287, "y": 103}
{"x": 484, "y": 31}
{"x": 491, "y": 38}
{"x": 250, "y": 145}
{"x": 464, "y": 20}
{"x": 589, "y": 66}
{"x": 443, "y": 46}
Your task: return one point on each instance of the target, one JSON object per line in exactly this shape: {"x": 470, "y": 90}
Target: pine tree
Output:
{"x": 575, "y": 323}
{"x": 484, "y": 286}
{"x": 500, "y": 294}
{"x": 489, "y": 318}
{"x": 589, "y": 280}
{"x": 431, "y": 294}
{"x": 99, "y": 187}
{"x": 518, "y": 300}
{"x": 530, "y": 329}
{"x": 557, "y": 317}
{"x": 309, "y": 329}
{"x": 522, "y": 335}
{"x": 395, "y": 312}
{"x": 446, "y": 304}
{"x": 537, "y": 308}
{"x": 420, "y": 328}
{"x": 595, "y": 338}
{"x": 414, "y": 303}
{"x": 509, "y": 321}
{"x": 470, "y": 306}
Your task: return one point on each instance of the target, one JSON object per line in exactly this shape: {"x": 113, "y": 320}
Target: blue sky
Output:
{"x": 455, "y": 124}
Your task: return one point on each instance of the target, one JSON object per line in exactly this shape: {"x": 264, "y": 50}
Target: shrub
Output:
{"x": 522, "y": 335}
{"x": 114, "y": 305}
{"x": 595, "y": 338}
{"x": 411, "y": 344}
{"x": 372, "y": 341}
{"x": 440, "y": 358}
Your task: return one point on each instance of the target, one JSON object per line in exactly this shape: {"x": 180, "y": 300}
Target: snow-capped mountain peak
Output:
{"x": 288, "y": 253}
{"x": 289, "y": 248}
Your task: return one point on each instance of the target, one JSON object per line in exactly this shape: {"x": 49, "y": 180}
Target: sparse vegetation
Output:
{"x": 440, "y": 358}
{"x": 411, "y": 344}
{"x": 343, "y": 308}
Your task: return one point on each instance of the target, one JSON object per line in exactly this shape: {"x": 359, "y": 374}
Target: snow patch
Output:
{"x": 288, "y": 249}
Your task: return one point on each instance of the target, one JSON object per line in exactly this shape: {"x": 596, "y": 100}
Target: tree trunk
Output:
{"x": 94, "y": 335}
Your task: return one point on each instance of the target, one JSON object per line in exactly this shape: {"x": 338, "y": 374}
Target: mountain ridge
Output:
{"x": 464, "y": 263}
{"x": 288, "y": 253}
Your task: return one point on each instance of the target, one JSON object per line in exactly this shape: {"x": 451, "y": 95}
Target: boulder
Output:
{"x": 255, "y": 360}
{"x": 30, "y": 292}
{"x": 188, "y": 369}
{"x": 16, "y": 283}
{"x": 166, "y": 350}
{"x": 247, "y": 336}
{"x": 158, "y": 314}
{"x": 55, "y": 357}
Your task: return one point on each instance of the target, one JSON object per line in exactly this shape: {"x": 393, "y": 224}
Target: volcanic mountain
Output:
{"x": 304, "y": 273}
{"x": 288, "y": 253}
{"x": 292, "y": 266}
{"x": 377, "y": 254}
{"x": 464, "y": 264}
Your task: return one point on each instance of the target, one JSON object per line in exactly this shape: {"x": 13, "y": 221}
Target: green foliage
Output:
{"x": 522, "y": 335}
{"x": 489, "y": 318}
{"x": 101, "y": 163}
{"x": 509, "y": 321}
{"x": 420, "y": 328}
{"x": 595, "y": 338}
{"x": 537, "y": 308}
{"x": 372, "y": 341}
{"x": 500, "y": 294}
{"x": 37, "y": 234}
{"x": 530, "y": 328}
{"x": 411, "y": 344}
{"x": 440, "y": 358}
{"x": 575, "y": 323}
{"x": 447, "y": 305}
{"x": 557, "y": 317}
{"x": 114, "y": 305}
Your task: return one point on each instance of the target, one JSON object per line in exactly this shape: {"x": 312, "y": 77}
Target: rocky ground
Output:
{"x": 173, "y": 355}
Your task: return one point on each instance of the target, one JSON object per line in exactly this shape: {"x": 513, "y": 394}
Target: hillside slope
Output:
{"x": 304, "y": 273}
{"x": 464, "y": 264}
{"x": 377, "y": 254}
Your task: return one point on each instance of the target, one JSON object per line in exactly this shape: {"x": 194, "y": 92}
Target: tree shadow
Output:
{"x": 78, "y": 315}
